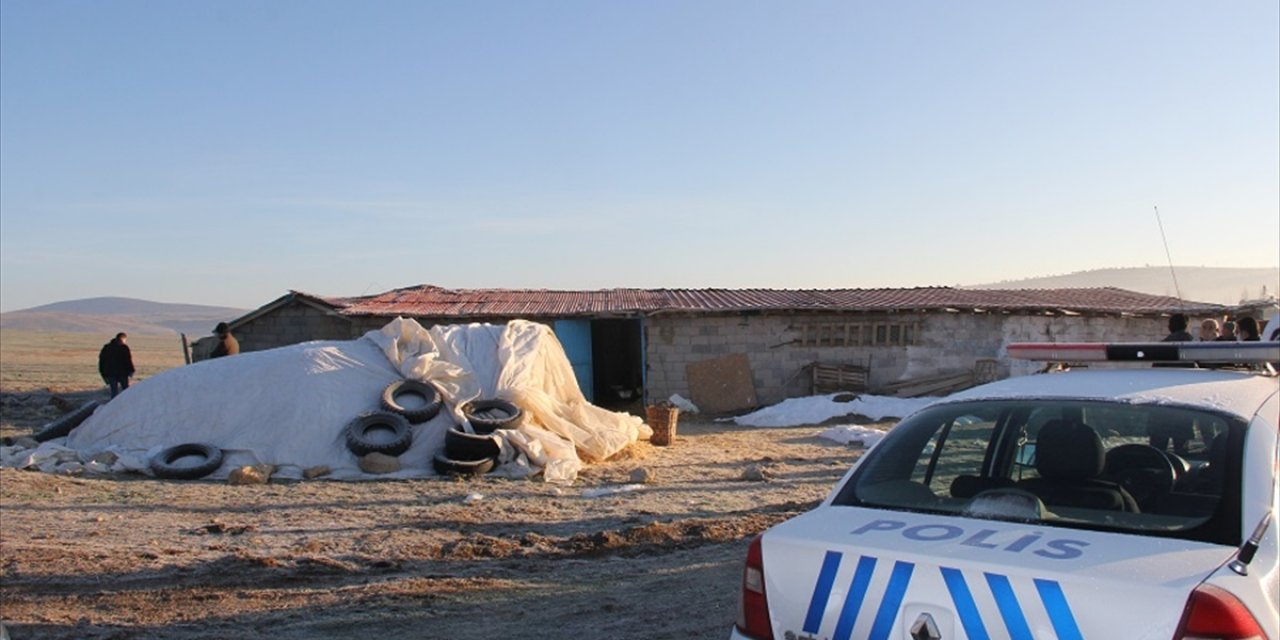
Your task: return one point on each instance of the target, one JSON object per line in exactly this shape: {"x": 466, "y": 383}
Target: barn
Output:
{"x": 731, "y": 349}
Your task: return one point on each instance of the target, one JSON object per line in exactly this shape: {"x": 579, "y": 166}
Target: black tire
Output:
{"x": 487, "y": 415}
{"x": 450, "y": 467}
{"x": 427, "y": 391}
{"x": 360, "y": 429}
{"x": 63, "y": 426}
{"x": 163, "y": 465}
{"x": 468, "y": 447}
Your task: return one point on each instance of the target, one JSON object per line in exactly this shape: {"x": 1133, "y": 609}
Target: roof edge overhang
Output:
{"x": 328, "y": 307}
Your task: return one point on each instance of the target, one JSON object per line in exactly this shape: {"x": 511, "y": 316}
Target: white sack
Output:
{"x": 289, "y": 406}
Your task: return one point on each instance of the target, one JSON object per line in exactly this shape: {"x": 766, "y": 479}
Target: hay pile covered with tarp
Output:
{"x": 291, "y": 407}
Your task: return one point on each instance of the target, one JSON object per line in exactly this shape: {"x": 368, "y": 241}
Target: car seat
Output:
{"x": 1069, "y": 459}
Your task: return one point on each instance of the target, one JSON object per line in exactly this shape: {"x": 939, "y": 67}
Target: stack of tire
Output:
{"x": 474, "y": 454}
{"x": 389, "y": 431}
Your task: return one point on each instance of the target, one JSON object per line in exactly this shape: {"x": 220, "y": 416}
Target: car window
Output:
{"x": 1161, "y": 470}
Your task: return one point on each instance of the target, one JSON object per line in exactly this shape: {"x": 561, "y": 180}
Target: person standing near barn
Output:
{"x": 1228, "y": 332}
{"x": 1178, "y": 329}
{"x": 227, "y": 343}
{"x": 1176, "y": 428}
{"x": 1247, "y": 327}
{"x": 115, "y": 364}
{"x": 1208, "y": 330}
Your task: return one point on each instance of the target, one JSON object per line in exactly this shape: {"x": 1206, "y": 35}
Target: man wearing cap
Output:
{"x": 227, "y": 343}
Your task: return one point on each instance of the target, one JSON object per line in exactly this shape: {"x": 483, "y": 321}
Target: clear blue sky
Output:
{"x": 226, "y": 152}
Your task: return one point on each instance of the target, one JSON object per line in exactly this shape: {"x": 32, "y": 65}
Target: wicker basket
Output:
{"x": 663, "y": 422}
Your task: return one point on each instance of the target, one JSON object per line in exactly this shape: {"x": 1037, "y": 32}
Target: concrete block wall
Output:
{"x": 291, "y": 324}
{"x": 779, "y": 362}
{"x": 948, "y": 342}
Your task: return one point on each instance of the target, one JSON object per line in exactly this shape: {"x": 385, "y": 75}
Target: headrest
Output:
{"x": 1068, "y": 450}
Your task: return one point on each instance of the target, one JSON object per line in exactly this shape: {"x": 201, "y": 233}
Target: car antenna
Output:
{"x": 1168, "y": 256}
{"x": 1241, "y": 563}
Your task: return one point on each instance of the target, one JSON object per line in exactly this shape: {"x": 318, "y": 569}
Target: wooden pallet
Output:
{"x": 831, "y": 378}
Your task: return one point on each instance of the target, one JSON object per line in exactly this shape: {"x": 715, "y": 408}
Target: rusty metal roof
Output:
{"x": 438, "y": 302}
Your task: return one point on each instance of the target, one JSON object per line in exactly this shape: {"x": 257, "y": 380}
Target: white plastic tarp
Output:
{"x": 289, "y": 407}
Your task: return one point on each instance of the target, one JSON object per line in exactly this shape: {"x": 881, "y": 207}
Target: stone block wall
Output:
{"x": 773, "y": 343}
{"x": 947, "y": 343}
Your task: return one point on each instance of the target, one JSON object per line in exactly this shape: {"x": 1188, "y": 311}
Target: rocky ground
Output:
{"x": 648, "y": 544}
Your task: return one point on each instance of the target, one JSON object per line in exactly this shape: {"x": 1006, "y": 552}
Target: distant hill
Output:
{"x": 1221, "y": 285}
{"x": 109, "y": 316}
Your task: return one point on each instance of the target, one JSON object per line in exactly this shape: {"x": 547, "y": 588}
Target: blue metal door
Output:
{"x": 575, "y": 337}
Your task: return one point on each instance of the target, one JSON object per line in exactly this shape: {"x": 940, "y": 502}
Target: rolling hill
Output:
{"x": 109, "y": 316}
{"x": 1221, "y": 285}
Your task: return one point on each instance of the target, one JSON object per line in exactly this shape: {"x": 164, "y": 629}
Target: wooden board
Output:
{"x": 721, "y": 385}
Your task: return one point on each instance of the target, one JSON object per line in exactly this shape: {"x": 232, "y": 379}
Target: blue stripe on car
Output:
{"x": 1055, "y": 604}
{"x": 822, "y": 591}
{"x": 898, "y": 581}
{"x": 1010, "y": 610}
{"x": 853, "y": 601}
{"x": 966, "y": 608}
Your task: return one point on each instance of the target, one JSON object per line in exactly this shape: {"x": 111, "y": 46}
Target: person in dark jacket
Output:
{"x": 115, "y": 364}
{"x": 1178, "y": 329}
{"x": 227, "y": 343}
{"x": 1228, "y": 332}
{"x": 1247, "y": 327}
{"x": 1176, "y": 428}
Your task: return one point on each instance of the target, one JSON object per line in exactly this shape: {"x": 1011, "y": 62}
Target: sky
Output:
{"x": 227, "y": 152}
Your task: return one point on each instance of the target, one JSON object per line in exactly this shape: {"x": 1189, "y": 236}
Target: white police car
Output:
{"x": 1097, "y": 503}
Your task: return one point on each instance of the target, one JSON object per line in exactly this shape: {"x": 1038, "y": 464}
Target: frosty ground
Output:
{"x": 649, "y": 543}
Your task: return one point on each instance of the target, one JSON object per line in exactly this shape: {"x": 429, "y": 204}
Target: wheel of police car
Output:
{"x": 187, "y": 461}
{"x": 417, "y": 401}
{"x": 379, "y": 432}
{"x": 1143, "y": 470}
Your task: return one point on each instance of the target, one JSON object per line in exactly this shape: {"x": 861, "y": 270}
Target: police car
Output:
{"x": 1101, "y": 502}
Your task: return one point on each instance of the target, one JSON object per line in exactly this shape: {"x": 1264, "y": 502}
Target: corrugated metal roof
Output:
{"x": 432, "y": 301}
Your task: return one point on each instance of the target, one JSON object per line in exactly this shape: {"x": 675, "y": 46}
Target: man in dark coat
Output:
{"x": 1178, "y": 329}
{"x": 115, "y": 364}
{"x": 1181, "y": 430}
{"x": 227, "y": 343}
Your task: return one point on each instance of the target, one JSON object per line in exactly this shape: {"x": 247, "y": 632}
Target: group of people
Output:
{"x": 1242, "y": 329}
{"x": 115, "y": 360}
{"x": 1181, "y": 430}
{"x": 1246, "y": 328}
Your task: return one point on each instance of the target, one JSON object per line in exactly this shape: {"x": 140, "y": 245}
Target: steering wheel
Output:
{"x": 1143, "y": 470}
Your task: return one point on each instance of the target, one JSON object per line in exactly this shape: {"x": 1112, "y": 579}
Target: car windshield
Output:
{"x": 1150, "y": 469}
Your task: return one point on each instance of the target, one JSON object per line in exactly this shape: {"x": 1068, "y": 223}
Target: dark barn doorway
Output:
{"x": 617, "y": 355}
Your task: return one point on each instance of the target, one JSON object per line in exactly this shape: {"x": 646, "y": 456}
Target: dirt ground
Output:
{"x": 134, "y": 557}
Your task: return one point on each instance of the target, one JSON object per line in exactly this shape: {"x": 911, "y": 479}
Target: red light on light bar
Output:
{"x": 1059, "y": 351}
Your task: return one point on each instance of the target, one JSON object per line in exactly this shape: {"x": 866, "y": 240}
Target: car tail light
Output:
{"x": 753, "y": 607}
{"x": 1214, "y": 614}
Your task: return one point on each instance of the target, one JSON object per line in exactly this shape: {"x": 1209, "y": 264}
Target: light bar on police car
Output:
{"x": 1209, "y": 352}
